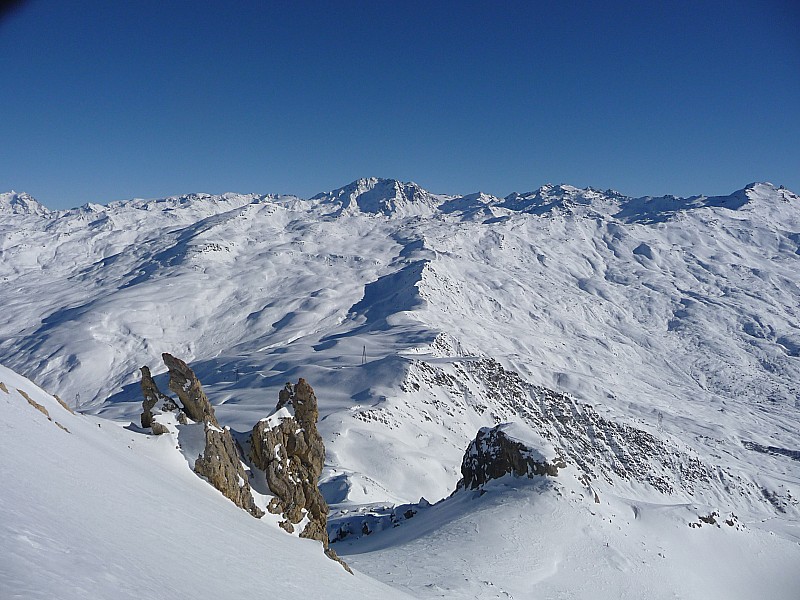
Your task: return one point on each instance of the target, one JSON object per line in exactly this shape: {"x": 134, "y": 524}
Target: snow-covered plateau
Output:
{"x": 567, "y": 393}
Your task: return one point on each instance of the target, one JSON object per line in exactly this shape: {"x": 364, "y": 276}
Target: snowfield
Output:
{"x": 94, "y": 510}
{"x": 654, "y": 343}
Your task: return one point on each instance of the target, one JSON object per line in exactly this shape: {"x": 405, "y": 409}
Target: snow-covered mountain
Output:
{"x": 21, "y": 204}
{"x": 381, "y": 196}
{"x": 653, "y": 343}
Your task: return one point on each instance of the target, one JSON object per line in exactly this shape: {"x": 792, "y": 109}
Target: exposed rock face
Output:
{"x": 220, "y": 462}
{"x": 289, "y": 449}
{"x": 153, "y": 398}
{"x": 221, "y": 466}
{"x": 185, "y": 384}
{"x": 493, "y": 453}
{"x": 304, "y": 402}
{"x": 286, "y": 445}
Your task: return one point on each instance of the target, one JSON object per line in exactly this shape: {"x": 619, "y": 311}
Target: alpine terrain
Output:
{"x": 566, "y": 393}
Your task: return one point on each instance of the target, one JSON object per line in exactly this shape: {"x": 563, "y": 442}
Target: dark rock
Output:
{"x": 221, "y": 465}
{"x": 290, "y": 451}
{"x": 493, "y": 454}
{"x": 710, "y": 518}
{"x": 185, "y": 384}
{"x": 154, "y": 399}
{"x": 158, "y": 428}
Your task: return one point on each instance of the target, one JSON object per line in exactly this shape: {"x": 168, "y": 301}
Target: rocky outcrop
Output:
{"x": 221, "y": 465}
{"x": 495, "y": 453}
{"x": 154, "y": 400}
{"x": 289, "y": 449}
{"x": 186, "y": 386}
{"x": 220, "y": 461}
{"x": 286, "y": 445}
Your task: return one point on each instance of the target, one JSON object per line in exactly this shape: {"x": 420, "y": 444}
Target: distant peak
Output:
{"x": 21, "y": 203}
{"x": 561, "y": 196}
{"x": 760, "y": 192}
{"x": 376, "y": 195}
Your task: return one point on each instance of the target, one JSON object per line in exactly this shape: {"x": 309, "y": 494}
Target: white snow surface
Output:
{"x": 100, "y": 511}
{"x": 655, "y": 342}
{"x": 540, "y": 539}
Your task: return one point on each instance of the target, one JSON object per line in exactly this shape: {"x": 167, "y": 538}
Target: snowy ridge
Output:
{"x": 388, "y": 197}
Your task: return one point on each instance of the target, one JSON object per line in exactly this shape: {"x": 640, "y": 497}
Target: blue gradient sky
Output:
{"x": 111, "y": 100}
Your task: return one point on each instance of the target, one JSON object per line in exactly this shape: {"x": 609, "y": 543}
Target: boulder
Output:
{"x": 495, "y": 453}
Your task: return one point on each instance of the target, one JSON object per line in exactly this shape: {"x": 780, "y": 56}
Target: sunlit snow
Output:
{"x": 656, "y": 341}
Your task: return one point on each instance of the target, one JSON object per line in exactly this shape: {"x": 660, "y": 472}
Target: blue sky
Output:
{"x": 111, "y": 100}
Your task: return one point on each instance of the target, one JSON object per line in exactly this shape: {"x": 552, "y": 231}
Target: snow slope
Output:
{"x": 94, "y": 510}
{"x": 544, "y": 539}
{"x": 656, "y": 341}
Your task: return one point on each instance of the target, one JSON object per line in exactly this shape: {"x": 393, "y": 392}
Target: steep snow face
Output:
{"x": 92, "y": 509}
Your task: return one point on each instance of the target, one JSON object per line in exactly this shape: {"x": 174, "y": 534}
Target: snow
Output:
{"x": 521, "y": 541}
{"x": 21, "y": 204}
{"x": 670, "y": 324}
{"x": 104, "y": 512}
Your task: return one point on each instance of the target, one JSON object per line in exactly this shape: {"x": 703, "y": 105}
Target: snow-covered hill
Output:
{"x": 94, "y": 510}
{"x": 654, "y": 341}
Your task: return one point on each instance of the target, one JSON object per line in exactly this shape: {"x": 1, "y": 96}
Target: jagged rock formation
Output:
{"x": 221, "y": 465}
{"x": 220, "y": 462}
{"x": 154, "y": 399}
{"x": 286, "y": 445}
{"x": 289, "y": 449}
{"x": 185, "y": 384}
{"x": 494, "y": 453}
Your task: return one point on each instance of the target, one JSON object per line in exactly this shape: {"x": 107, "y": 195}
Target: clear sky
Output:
{"x": 106, "y": 100}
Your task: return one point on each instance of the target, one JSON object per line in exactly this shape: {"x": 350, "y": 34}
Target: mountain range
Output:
{"x": 640, "y": 355}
